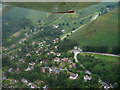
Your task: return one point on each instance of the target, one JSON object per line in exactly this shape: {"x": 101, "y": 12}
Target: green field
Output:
{"x": 108, "y": 71}
{"x": 102, "y": 32}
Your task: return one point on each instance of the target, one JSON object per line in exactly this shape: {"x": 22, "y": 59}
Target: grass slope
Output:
{"x": 102, "y": 32}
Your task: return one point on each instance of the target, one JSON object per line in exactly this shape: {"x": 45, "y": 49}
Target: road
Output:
{"x": 102, "y": 54}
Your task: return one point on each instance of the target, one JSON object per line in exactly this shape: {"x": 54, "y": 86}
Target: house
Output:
{"x": 44, "y": 41}
{"x": 45, "y": 86}
{"x": 57, "y": 59}
{"x": 37, "y": 51}
{"x": 21, "y": 60}
{"x": 43, "y": 70}
{"x": 65, "y": 59}
{"x": 33, "y": 42}
{"x": 33, "y": 86}
{"x": 62, "y": 64}
{"x": 73, "y": 64}
{"x": 20, "y": 42}
{"x": 75, "y": 47}
{"x": 38, "y": 54}
{"x": 58, "y": 54}
{"x": 50, "y": 70}
{"x": 24, "y": 80}
{"x": 13, "y": 81}
{"x": 41, "y": 62}
{"x": 70, "y": 66}
{"x": 29, "y": 68}
{"x": 56, "y": 47}
{"x": 55, "y": 70}
{"x": 70, "y": 61}
{"x": 73, "y": 76}
{"x": 32, "y": 63}
{"x": 86, "y": 77}
{"x": 24, "y": 39}
{"x": 10, "y": 70}
{"x": 26, "y": 34}
{"x": 63, "y": 30}
{"x": 18, "y": 70}
{"x": 40, "y": 82}
{"x": 56, "y": 39}
{"x": 55, "y": 26}
{"x": 80, "y": 50}
{"x": 88, "y": 72}
{"x": 29, "y": 84}
{"x": 28, "y": 54}
{"x": 48, "y": 53}
{"x": 13, "y": 45}
{"x": 52, "y": 52}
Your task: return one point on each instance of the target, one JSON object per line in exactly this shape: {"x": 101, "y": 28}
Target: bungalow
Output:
{"x": 28, "y": 54}
{"x": 45, "y": 86}
{"x": 33, "y": 86}
{"x": 48, "y": 53}
{"x": 41, "y": 62}
{"x": 13, "y": 45}
{"x": 44, "y": 41}
{"x": 73, "y": 76}
{"x": 10, "y": 70}
{"x": 20, "y": 42}
{"x": 86, "y": 77}
{"x": 18, "y": 70}
{"x": 43, "y": 69}
{"x": 70, "y": 61}
{"x": 6, "y": 49}
{"x": 26, "y": 34}
{"x": 57, "y": 59}
{"x": 32, "y": 63}
{"x": 56, "y": 47}
{"x": 70, "y": 66}
{"x": 40, "y": 82}
{"x": 65, "y": 59}
{"x": 88, "y": 72}
{"x": 38, "y": 54}
{"x": 24, "y": 80}
{"x": 55, "y": 70}
{"x": 13, "y": 81}
{"x": 28, "y": 69}
{"x": 63, "y": 30}
{"x": 29, "y": 84}
{"x": 19, "y": 49}
{"x": 55, "y": 26}
{"x": 52, "y": 52}
{"x": 56, "y": 39}
{"x": 80, "y": 50}
{"x": 33, "y": 42}
{"x": 73, "y": 64}
{"x": 50, "y": 70}
{"x": 21, "y": 60}
{"x": 58, "y": 54}
{"x": 24, "y": 39}
{"x": 37, "y": 51}
{"x": 75, "y": 47}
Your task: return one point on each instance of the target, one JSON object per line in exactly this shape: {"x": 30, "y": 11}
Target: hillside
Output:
{"x": 102, "y": 32}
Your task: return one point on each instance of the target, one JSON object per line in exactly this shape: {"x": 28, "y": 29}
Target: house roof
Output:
{"x": 65, "y": 59}
{"x": 32, "y": 63}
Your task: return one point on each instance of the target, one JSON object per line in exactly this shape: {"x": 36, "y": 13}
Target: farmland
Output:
{"x": 102, "y": 32}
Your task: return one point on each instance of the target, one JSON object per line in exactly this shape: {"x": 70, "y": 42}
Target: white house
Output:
{"x": 86, "y": 77}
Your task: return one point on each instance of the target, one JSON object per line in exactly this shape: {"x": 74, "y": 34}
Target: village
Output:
{"x": 41, "y": 56}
